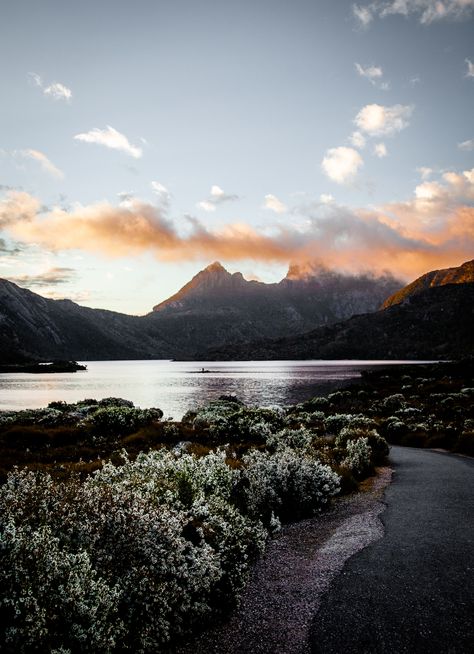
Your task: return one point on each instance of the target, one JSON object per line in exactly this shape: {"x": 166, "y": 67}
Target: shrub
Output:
{"x": 286, "y": 484}
{"x": 358, "y": 456}
{"x": 378, "y": 445}
{"x": 117, "y": 421}
{"x": 296, "y": 439}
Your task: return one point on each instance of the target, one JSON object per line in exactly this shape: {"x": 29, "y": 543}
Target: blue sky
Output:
{"x": 141, "y": 141}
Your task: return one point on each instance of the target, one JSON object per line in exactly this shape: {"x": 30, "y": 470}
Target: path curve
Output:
{"x": 413, "y": 590}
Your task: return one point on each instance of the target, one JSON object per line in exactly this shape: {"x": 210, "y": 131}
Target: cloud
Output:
{"x": 357, "y": 140}
{"x": 55, "y": 90}
{"x": 6, "y": 249}
{"x": 378, "y": 120}
{"x": 326, "y": 198}
{"x": 363, "y": 15}
{"x": 51, "y": 277}
{"x": 380, "y": 150}
{"x": 274, "y": 204}
{"x": 58, "y": 91}
{"x": 434, "y": 228}
{"x": 162, "y": 193}
{"x": 341, "y": 164}
{"x": 470, "y": 68}
{"x": 467, "y": 146}
{"x": 110, "y": 138}
{"x": 427, "y": 11}
{"x": 44, "y": 162}
{"x": 370, "y": 72}
{"x": 217, "y": 196}
{"x": 373, "y": 74}
{"x": 425, "y": 172}
{"x": 18, "y": 206}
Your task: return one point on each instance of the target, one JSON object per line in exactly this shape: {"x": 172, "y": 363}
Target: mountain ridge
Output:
{"x": 457, "y": 275}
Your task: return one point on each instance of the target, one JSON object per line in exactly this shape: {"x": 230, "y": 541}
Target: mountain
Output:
{"x": 33, "y": 327}
{"x": 217, "y": 307}
{"x": 459, "y": 275}
{"x": 433, "y": 324}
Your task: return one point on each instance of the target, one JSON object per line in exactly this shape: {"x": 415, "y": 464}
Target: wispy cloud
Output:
{"x": 55, "y": 90}
{"x": 363, "y": 15}
{"x": 162, "y": 193}
{"x": 425, "y": 172}
{"x": 44, "y": 162}
{"x": 110, "y": 138}
{"x": 273, "y": 203}
{"x": 357, "y": 140}
{"x": 426, "y": 11}
{"x": 216, "y": 197}
{"x": 470, "y": 68}
{"x": 373, "y": 74}
{"x": 433, "y": 228}
{"x": 378, "y": 120}
{"x": 342, "y": 164}
{"x": 51, "y": 277}
{"x": 8, "y": 249}
{"x": 380, "y": 150}
{"x": 467, "y": 146}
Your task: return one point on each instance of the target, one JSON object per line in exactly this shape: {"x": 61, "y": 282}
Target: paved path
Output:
{"x": 413, "y": 590}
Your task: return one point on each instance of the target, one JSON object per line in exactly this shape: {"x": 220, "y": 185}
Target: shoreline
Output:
{"x": 287, "y": 583}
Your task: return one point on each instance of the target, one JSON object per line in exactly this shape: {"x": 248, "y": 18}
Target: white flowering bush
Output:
{"x": 287, "y": 484}
{"x": 378, "y": 445}
{"x": 119, "y": 420}
{"x": 296, "y": 439}
{"x": 358, "y": 458}
{"x": 137, "y": 554}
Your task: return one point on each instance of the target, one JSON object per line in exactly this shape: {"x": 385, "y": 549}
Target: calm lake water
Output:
{"x": 176, "y": 386}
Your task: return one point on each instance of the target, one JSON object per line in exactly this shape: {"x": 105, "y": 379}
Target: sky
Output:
{"x": 141, "y": 141}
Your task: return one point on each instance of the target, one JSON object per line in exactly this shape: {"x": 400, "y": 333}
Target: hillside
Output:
{"x": 433, "y": 324}
{"x": 33, "y": 327}
{"x": 460, "y": 275}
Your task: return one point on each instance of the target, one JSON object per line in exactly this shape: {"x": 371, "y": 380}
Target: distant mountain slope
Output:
{"x": 217, "y": 307}
{"x": 460, "y": 275}
{"x": 433, "y": 324}
{"x": 32, "y": 326}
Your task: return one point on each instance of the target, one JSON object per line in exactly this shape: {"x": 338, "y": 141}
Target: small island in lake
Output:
{"x": 40, "y": 367}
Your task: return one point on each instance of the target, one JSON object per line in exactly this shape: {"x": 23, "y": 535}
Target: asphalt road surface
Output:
{"x": 413, "y": 590}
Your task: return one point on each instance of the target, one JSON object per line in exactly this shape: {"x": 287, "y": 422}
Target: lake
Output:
{"x": 176, "y": 386}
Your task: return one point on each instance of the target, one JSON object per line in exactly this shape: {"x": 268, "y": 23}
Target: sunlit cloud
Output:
{"x": 44, "y": 162}
{"x": 216, "y": 196}
{"x": 342, "y": 164}
{"x": 433, "y": 228}
{"x": 378, "y": 120}
{"x": 55, "y": 90}
{"x": 110, "y": 138}
{"x": 426, "y": 11}
{"x": 274, "y": 204}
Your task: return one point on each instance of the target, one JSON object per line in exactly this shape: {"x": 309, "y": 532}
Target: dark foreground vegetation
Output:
{"x": 123, "y": 532}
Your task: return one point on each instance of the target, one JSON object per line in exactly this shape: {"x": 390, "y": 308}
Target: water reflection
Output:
{"x": 176, "y": 386}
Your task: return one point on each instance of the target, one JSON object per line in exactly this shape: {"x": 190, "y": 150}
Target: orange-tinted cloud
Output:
{"x": 434, "y": 229}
